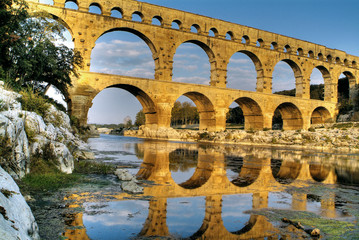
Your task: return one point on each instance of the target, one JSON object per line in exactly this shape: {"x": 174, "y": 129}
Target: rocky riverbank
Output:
{"x": 339, "y": 136}
{"x": 25, "y": 136}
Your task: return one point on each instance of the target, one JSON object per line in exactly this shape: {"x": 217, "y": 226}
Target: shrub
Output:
{"x": 88, "y": 167}
{"x": 34, "y": 102}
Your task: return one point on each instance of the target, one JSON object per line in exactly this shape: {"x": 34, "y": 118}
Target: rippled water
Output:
{"x": 201, "y": 191}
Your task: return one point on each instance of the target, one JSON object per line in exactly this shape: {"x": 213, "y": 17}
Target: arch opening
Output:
{"x": 245, "y": 39}
{"x": 229, "y": 35}
{"x": 248, "y": 113}
{"x": 192, "y": 63}
{"x": 243, "y": 70}
{"x": 290, "y": 116}
{"x": 286, "y": 76}
{"x": 184, "y": 114}
{"x": 347, "y": 93}
{"x": 133, "y": 100}
{"x": 95, "y": 8}
{"x": 157, "y": 20}
{"x": 176, "y": 24}
{"x": 320, "y": 115}
{"x": 72, "y": 4}
{"x": 317, "y": 83}
{"x": 116, "y": 12}
{"x": 137, "y": 16}
{"x": 124, "y": 52}
{"x": 213, "y": 32}
{"x": 243, "y": 171}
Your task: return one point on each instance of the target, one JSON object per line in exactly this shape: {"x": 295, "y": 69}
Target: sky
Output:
{"x": 331, "y": 23}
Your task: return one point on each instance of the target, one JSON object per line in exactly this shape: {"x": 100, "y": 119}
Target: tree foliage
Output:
{"x": 140, "y": 118}
{"x": 184, "y": 113}
{"x": 30, "y": 55}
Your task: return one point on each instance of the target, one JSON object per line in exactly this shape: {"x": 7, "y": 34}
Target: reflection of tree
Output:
{"x": 235, "y": 115}
{"x": 183, "y": 159}
{"x": 234, "y": 163}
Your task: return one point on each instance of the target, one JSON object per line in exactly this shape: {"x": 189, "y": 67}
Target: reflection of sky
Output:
{"x": 180, "y": 177}
{"x": 119, "y": 220}
{"x": 185, "y": 215}
{"x": 279, "y": 200}
{"x": 233, "y": 207}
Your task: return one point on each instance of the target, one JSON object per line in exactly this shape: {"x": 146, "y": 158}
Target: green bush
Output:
{"x": 89, "y": 167}
{"x": 34, "y": 102}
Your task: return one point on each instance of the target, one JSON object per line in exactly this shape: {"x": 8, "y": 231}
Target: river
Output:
{"x": 203, "y": 191}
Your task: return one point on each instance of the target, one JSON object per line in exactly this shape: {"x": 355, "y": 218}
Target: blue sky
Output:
{"x": 332, "y": 23}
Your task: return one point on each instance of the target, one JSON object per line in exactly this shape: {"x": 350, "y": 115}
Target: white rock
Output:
{"x": 123, "y": 174}
{"x": 16, "y": 219}
{"x": 132, "y": 187}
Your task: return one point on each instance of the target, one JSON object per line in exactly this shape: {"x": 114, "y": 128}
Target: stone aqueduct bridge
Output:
{"x": 158, "y": 95}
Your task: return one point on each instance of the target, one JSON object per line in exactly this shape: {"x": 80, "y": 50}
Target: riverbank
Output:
{"x": 338, "y": 136}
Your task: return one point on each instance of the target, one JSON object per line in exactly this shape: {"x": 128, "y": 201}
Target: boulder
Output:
{"x": 123, "y": 175}
{"x": 16, "y": 218}
{"x": 131, "y": 186}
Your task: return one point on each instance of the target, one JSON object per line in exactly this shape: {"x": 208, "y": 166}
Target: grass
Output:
{"x": 90, "y": 167}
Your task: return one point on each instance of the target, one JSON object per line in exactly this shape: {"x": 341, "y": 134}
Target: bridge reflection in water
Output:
{"x": 245, "y": 178}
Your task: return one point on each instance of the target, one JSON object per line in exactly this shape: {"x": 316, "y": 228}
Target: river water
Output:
{"x": 203, "y": 191}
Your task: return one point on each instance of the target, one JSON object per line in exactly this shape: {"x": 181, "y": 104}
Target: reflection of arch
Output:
{"x": 285, "y": 172}
{"x": 291, "y": 116}
{"x": 205, "y": 109}
{"x": 248, "y": 169}
{"x": 320, "y": 115}
{"x": 319, "y": 172}
{"x": 253, "y": 117}
{"x": 202, "y": 173}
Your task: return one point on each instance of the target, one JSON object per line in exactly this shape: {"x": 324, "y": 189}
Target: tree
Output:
{"x": 127, "y": 121}
{"x": 140, "y": 118}
{"x": 32, "y": 55}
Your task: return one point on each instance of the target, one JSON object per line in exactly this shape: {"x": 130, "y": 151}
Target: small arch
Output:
{"x": 260, "y": 43}
{"x": 95, "y": 8}
{"x": 229, "y": 35}
{"x": 137, "y": 16}
{"x": 291, "y": 116}
{"x": 48, "y": 2}
{"x": 329, "y": 59}
{"x": 245, "y": 40}
{"x": 274, "y": 46}
{"x": 320, "y": 115}
{"x": 338, "y": 60}
{"x": 116, "y": 12}
{"x": 346, "y": 62}
{"x": 300, "y": 52}
{"x": 311, "y": 54}
{"x": 195, "y": 28}
{"x": 213, "y": 32}
{"x": 176, "y": 24}
{"x": 72, "y": 4}
{"x": 320, "y": 57}
{"x": 354, "y": 64}
{"x": 287, "y": 49}
{"x": 157, "y": 20}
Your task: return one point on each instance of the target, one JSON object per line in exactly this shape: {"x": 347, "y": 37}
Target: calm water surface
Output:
{"x": 198, "y": 191}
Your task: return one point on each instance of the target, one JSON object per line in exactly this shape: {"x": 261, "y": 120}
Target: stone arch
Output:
{"x": 352, "y": 81}
{"x": 287, "y": 49}
{"x": 285, "y": 172}
{"x": 274, "y": 46}
{"x": 299, "y": 83}
{"x": 291, "y": 116}
{"x": 159, "y": 19}
{"x": 300, "y": 52}
{"x": 72, "y": 1}
{"x": 148, "y": 105}
{"x": 260, "y": 43}
{"x": 213, "y": 32}
{"x": 319, "y": 172}
{"x": 246, "y": 40}
{"x": 97, "y": 5}
{"x": 320, "y": 56}
{"x": 252, "y": 112}
{"x": 205, "y": 109}
{"x": 327, "y": 81}
{"x": 142, "y": 36}
{"x": 115, "y": 11}
{"x": 196, "y": 27}
{"x": 311, "y": 54}
{"x": 209, "y": 53}
{"x": 56, "y": 18}
{"x": 137, "y": 14}
{"x": 320, "y": 115}
{"x": 229, "y": 35}
{"x": 176, "y": 22}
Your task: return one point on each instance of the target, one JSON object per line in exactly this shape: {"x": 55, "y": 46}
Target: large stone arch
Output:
{"x": 300, "y": 84}
{"x": 291, "y": 116}
{"x": 352, "y": 84}
{"x": 206, "y": 110}
{"x": 139, "y": 34}
{"x": 253, "y": 116}
{"x": 327, "y": 82}
{"x": 320, "y": 115}
{"x": 208, "y": 51}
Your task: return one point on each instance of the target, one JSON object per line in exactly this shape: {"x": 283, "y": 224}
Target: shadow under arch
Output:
{"x": 139, "y": 34}
{"x": 319, "y": 172}
{"x": 320, "y": 115}
{"x": 285, "y": 172}
{"x": 207, "y": 120}
{"x": 248, "y": 169}
{"x": 252, "y": 112}
{"x": 291, "y": 116}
